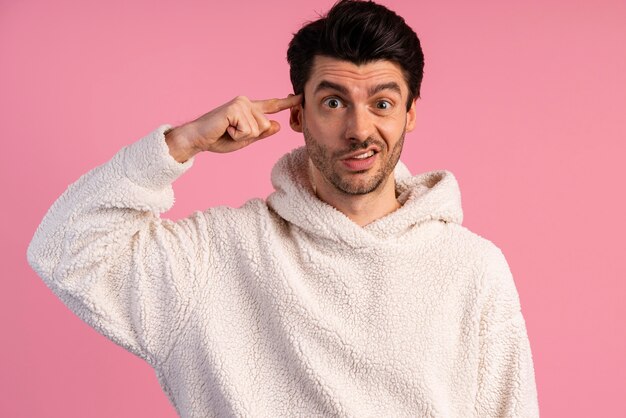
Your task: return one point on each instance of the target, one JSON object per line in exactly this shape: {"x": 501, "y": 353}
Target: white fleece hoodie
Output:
{"x": 285, "y": 307}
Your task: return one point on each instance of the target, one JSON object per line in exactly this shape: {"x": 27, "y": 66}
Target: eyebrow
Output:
{"x": 329, "y": 85}
{"x": 392, "y": 85}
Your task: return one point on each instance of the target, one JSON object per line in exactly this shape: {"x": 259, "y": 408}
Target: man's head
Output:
{"x": 359, "y": 32}
{"x": 359, "y": 70}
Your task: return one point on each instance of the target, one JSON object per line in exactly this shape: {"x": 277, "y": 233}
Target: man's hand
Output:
{"x": 230, "y": 127}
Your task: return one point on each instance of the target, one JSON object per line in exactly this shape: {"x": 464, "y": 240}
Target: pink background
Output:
{"x": 524, "y": 101}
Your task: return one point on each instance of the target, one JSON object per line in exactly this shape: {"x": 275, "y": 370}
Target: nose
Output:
{"x": 359, "y": 124}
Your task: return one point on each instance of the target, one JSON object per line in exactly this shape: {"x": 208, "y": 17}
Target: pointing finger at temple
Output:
{"x": 277, "y": 105}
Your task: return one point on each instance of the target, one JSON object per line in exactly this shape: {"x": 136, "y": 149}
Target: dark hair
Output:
{"x": 359, "y": 32}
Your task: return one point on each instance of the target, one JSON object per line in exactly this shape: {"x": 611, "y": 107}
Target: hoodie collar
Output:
{"x": 432, "y": 195}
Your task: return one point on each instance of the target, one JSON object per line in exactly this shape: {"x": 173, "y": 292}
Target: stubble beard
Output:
{"x": 324, "y": 162}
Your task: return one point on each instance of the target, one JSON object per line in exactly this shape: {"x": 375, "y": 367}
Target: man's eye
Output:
{"x": 383, "y": 105}
{"x": 333, "y": 102}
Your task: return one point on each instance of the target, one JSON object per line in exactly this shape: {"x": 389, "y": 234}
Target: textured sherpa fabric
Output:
{"x": 285, "y": 307}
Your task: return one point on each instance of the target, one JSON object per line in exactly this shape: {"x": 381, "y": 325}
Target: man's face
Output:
{"x": 354, "y": 122}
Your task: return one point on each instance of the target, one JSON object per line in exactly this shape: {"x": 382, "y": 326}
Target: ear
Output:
{"x": 295, "y": 118}
{"x": 410, "y": 117}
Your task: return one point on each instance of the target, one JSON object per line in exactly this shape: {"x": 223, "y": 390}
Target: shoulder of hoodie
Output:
{"x": 495, "y": 269}
{"x": 487, "y": 255}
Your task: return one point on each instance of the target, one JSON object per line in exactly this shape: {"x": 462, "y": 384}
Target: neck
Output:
{"x": 361, "y": 209}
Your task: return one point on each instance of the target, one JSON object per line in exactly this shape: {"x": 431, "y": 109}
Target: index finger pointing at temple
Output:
{"x": 277, "y": 105}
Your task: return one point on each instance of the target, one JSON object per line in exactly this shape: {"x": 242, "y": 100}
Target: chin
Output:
{"x": 356, "y": 188}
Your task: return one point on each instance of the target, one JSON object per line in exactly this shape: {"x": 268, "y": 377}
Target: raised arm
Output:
{"x": 104, "y": 250}
{"x": 230, "y": 127}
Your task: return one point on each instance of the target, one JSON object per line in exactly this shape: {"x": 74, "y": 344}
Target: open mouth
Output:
{"x": 361, "y": 161}
{"x": 364, "y": 155}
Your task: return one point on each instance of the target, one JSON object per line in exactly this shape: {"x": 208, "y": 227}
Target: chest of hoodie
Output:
{"x": 413, "y": 293}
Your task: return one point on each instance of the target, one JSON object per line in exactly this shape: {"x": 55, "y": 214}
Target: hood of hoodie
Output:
{"x": 432, "y": 195}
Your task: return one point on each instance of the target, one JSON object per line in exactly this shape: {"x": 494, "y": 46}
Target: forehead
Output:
{"x": 355, "y": 77}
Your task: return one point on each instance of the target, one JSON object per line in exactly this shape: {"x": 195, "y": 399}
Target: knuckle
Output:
{"x": 240, "y": 136}
{"x": 241, "y": 99}
{"x": 238, "y": 133}
{"x": 262, "y": 121}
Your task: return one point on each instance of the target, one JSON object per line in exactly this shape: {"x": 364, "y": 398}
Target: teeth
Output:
{"x": 366, "y": 155}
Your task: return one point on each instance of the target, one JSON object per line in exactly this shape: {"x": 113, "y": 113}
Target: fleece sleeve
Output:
{"x": 105, "y": 252}
{"x": 506, "y": 377}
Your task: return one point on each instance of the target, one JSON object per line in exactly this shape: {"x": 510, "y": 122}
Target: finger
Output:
{"x": 277, "y": 105}
{"x": 244, "y": 125}
{"x": 252, "y": 123}
{"x": 232, "y": 132}
{"x": 239, "y": 128}
{"x": 262, "y": 122}
{"x": 274, "y": 127}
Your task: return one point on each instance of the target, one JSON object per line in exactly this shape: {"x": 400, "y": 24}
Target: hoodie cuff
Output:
{"x": 148, "y": 162}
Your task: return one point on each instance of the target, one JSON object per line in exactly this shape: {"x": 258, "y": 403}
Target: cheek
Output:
{"x": 398, "y": 123}
{"x": 392, "y": 128}
{"x": 319, "y": 126}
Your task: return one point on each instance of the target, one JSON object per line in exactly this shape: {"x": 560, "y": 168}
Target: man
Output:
{"x": 352, "y": 291}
